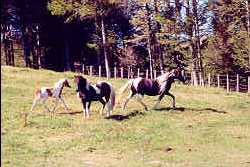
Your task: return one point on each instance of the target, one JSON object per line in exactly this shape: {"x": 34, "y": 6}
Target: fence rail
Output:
{"x": 238, "y": 83}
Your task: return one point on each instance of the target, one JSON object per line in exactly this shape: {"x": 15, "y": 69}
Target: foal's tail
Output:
{"x": 111, "y": 102}
{"x": 124, "y": 88}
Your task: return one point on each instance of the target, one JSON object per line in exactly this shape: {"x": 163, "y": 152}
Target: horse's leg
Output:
{"x": 140, "y": 100}
{"x": 87, "y": 108}
{"x": 108, "y": 108}
{"x": 34, "y": 104}
{"x": 84, "y": 108}
{"x": 103, "y": 105}
{"x": 56, "y": 103}
{"x": 65, "y": 105}
{"x": 169, "y": 94}
{"x": 159, "y": 100}
{"x": 131, "y": 94}
{"x": 45, "y": 104}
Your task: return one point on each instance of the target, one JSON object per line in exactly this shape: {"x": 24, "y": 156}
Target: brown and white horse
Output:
{"x": 43, "y": 93}
{"x": 102, "y": 91}
{"x": 153, "y": 87}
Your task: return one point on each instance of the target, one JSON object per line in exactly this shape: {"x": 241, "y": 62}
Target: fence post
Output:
{"x": 248, "y": 87}
{"x": 237, "y": 82}
{"x": 147, "y": 73}
{"x": 91, "y": 70}
{"x": 138, "y": 72}
{"x": 131, "y": 73}
{"x": 128, "y": 72}
{"x": 83, "y": 68}
{"x": 121, "y": 72}
{"x": 200, "y": 83}
{"x": 100, "y": 70}
{"x": 218, "y": 81}
{"x": 209, "y": 80}
{"x": 154, "y": 74}
{"x": 194, "y": 79}
{"x": 227, "y": 84}
{"x": 115, "y": 72}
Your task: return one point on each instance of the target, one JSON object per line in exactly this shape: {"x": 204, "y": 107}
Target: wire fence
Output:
{"x": 237, "y": 82}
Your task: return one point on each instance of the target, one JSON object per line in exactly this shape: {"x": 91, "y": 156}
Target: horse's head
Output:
{"x": 81, "y": 83}
{"x": 66, "y": 83}
{"x": 179, "y": 74}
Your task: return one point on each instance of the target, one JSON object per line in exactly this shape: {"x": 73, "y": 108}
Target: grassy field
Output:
{"x": 209, "y": 127}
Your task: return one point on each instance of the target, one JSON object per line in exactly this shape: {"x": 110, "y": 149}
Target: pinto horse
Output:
{"x": 153, "y": 87}
{"x": 43, "y": 93}
{"x": 101, "y": 91}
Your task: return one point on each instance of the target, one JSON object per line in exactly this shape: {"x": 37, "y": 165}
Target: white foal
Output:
{"x": 43, "y": 93}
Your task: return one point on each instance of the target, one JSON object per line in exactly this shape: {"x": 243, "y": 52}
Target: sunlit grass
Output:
{"x": 209, "y": 127}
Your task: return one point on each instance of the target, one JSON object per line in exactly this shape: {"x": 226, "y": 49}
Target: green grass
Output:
{"x": 209, "y": 127}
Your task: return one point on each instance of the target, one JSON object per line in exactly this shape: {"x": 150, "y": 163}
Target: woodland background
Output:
{"x": 204, "y": 36}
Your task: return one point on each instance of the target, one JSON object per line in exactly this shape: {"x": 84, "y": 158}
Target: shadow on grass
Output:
{"x": 182, "y": 109}
{"x": 125, "y": 117}
{"x": 70, "y": 113}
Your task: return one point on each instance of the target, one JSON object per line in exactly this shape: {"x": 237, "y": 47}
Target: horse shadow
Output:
{"x": 70, "y": 113}
{"x": 183, "y": 109}
{"x": 119, "y": 117}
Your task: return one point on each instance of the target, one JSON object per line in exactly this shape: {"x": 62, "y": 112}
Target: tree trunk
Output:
{"x": 178, "y": 19}
{"x": 12, "y": 60}
{"x": 248, "y": 28}
{"x": 8, "y": 47}
{"x": 97, "y": 28}
{"x": 66, "y": 49}
{"x": 194, "y": 74}
{"x": 248, "y": 18}
{"x": 108, "y": 74}
{"x": 158, "y": 51}
{"x": 192, "y": 46}
{"x": 6, "y": 52}
{"x": 197, "y": 40}
{"x": 150, "y": 59}
{"x": 34, "y": 56}
{"x": 149, "y": 41}
{"x": 38, "y": 47}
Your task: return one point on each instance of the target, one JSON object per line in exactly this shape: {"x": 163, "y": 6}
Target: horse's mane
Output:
{"x": 164, "y": 76}
{"x": 80, "y": 82}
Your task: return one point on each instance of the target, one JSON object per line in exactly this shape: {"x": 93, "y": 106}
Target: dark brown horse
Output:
{"x": 102, "y": 91}
{"x": 153, "y": 87}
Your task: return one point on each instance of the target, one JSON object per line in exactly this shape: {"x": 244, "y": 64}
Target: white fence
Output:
{"x": 238, "y": 83}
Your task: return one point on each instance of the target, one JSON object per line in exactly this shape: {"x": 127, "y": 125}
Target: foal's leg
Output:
{"x": 139, "y": 98}
{"x": 45, "y": 104}
{"x": 169, "y": 94}
{"x": 34, "y": 104}
{"x": 56, "y": 103}
{"x": 131, "y": 94}
{"x": 159, "y": 100}
{"x": 103, "y": 105}
{"x": 65, "y": 105}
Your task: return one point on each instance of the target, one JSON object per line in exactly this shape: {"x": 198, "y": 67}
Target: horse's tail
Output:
{"x": 124, "y": 88}
{"x": 111, "y": 102}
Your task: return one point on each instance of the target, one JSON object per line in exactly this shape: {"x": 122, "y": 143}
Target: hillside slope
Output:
{"x": 208, "y": 128}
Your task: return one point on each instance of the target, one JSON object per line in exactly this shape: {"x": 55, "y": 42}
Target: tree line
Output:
{"x": 204, "y": 36}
